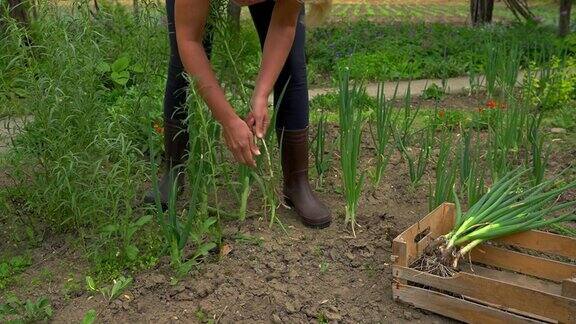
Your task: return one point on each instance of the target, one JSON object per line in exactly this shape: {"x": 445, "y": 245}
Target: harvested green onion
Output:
{"x": 509, "y": 207}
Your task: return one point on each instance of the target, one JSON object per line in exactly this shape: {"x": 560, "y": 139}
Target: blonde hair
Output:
{"x": 318, "y": 11}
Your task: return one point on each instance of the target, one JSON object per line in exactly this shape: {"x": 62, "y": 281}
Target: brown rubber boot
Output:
{"x": 298, "y": 193}
{"x": 175, "y": 147}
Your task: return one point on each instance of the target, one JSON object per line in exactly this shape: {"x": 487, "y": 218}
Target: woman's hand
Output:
{"x": 257, "y": 119}
{"x": 240, "y": 141}
{"x": 279, "y": 40}
{"x": 243, "y": 3}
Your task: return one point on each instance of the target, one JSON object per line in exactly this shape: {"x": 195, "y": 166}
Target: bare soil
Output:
{"x": 299, "y": 277}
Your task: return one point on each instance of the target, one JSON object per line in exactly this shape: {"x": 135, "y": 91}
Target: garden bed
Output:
{"x": 499, "y": 285}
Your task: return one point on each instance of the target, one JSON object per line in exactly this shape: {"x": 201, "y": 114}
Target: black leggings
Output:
{"x": 293, "y": 109}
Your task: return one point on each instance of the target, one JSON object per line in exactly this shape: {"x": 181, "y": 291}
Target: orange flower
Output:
{"x": 442, "y": 114}
{"x": 159, "y": 129}
{"x": 491, "y": 104}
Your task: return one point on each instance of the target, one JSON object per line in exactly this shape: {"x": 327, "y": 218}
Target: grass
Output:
{"x": 11, "y": 267}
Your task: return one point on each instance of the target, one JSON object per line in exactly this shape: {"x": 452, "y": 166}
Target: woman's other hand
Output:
{"x": 258, "y": 120}
{"x": 240, "y": 141}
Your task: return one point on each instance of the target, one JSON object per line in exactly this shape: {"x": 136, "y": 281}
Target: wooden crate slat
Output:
{"x": 424, "y": 243}
{"x": 399, "y": 252}
{"x": 546, "y": 290}
{"x": 569, "y": 288}
{"x": 515, "y": 278}
{"x": 437, "y": 223}
{"x": 523, "y": 263}
{"x": 459, "y": 309}
{"x": 496, "y": 292}
{"x": 543, "y": 242}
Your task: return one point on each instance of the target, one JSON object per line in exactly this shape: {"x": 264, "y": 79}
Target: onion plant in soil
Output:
{"x": 351, "y": 124}
{"x": 384, "y": 124}
{"x": 512, "y": 205}
{"x": 322, "y": 157}
{"x": 472, "y": 175}
{"x": 446, "y": 173}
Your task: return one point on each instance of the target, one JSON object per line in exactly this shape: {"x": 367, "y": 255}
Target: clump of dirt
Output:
{"x": 437, "y": 260}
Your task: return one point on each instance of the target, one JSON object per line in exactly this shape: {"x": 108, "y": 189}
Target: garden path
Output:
{"x": 417, "y": 87}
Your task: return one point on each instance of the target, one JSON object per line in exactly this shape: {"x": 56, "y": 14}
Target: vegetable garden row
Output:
{"x": 76, "y": 173}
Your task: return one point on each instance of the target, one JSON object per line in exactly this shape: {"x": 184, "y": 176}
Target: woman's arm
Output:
{"x": 190, "y": 18}
{"x": 277, "y": 46}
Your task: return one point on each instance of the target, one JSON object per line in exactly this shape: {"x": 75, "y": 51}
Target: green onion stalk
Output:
{"x": 508, "y": 67}
{"x": 385, "y": 124}
{"x": 471, "y": 173}
{"x": 417, "y": 163}
{"x": 321, "y": 159}
{"x": 446, "y": 171}
{"x": 264, "y": 174}
{"x": 490, "y": 69}
{"x": 240, "y": 93}
{"x": 351, "y": 124}
{"x": 407, "y": 117}
{"x": 511, "y": 206}
{"x": 539, "y": 152}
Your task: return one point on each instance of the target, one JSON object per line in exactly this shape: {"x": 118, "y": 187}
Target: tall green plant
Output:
{"x": 509, "y": 59}
{"x": 446, "y": 173}
{"x": 491, "y": 68}
{"x": 539, "y": 152}
{"x": 351, "y": 125}
{"x": 385, "y": 124}
{"x": 321, "y": 158}
{"x": 471, "y": 172}
{"x": 194, "y": 224}
{"x": 407, "y": 116}
{"x": 418, "y": 156}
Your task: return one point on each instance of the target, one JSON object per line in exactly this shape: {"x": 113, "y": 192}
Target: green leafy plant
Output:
{"x": 16, "y": 311}
{"x": 12, "y": 267}
{"x": 507, "y": 133}
{"x": 446, "y": 118}
{"x": 551, "y": 85}
{"x": 176, "y": 232}
{"x": 111, "y": 292}
{"x": 89, "y": 317}
{"x": 434, "y": 92}
{"x": 125, "y": 233}
{"x": 120, "y": 71}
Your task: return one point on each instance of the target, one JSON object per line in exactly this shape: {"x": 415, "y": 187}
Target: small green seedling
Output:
{"x": 111, "y": 292}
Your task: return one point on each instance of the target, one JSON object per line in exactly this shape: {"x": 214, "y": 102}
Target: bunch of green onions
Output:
{"x": 511, "y": 206}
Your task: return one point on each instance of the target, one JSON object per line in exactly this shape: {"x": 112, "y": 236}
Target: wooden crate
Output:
{"x": 501, "y": 286}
